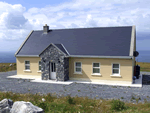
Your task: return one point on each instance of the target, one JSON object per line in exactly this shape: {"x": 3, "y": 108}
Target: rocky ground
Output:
{"x": 90, "y": 90}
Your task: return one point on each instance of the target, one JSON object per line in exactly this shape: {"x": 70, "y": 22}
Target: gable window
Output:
{"x": 115, "y": 68}
{"x": 39, "y": 65}
{"x": 96, "y": 68}
{"x": 78, "y": 67}
{"x": 27, "y": 65}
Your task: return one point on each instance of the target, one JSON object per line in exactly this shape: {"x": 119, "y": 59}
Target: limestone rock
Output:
{"x": 5, "y": 105}
{"x": 25, "y": 107}
{"x": 10, "y": 65}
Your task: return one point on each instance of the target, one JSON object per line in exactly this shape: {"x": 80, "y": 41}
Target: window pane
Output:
{"x": 95, "y": 64}
{"x": 116, "y": 71}
{"x": 27, "y": 62}
{"x": 78, "y": 69}
{"x": 54, "y": 67}
{"x": 27, "y": 67}
{"x": 39, "y": 67}
{"x": 78, "y": 64}
{"x": 96, "y": 70}
{"x": 51, "y": 67}
{"x": 39, "y": 62}
{"x": 115, "y": 65}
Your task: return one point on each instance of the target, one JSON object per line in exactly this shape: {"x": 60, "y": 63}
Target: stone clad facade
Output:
{"x": 53, "y": 54}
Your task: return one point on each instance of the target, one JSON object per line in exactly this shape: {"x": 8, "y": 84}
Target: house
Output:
{"x": 87, "y": 54}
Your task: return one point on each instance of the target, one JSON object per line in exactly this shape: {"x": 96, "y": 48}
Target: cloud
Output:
{"x": 14, "y": 21}
{"x": 13, "y": 24}
{"x": 18, "y": 21}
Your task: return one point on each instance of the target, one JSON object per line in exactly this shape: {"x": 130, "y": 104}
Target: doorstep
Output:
{"x": 25, "y": 76}
{"x": 52, "y": 81}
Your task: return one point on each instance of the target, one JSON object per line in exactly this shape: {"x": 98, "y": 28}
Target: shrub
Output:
{"x": 49, "y": 97}
{"x": 133, "y": 97}
{"x": 137, "y": 100}
{"x": 43, "y": 105}
{"x": 117, "y": 105}
{"x": 7, "y": 68}
{"x": 70, "y": 100}
{"x": 122, "y": 98}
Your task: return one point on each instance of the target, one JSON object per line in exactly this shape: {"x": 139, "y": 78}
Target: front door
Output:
{"x": 52, "y": 70}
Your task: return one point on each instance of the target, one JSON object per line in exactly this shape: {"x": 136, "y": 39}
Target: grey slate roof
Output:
{"x": 105, "y": 41}
{"x": 61, "y": 48}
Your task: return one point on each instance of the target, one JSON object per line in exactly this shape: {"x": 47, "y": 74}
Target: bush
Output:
{"x": 70, "y": 100}
{"x": 49, "y": 98}
{"x": 7, "y": 68}
{"x": 43, "y": 105}
{"x": 117, "y": 105}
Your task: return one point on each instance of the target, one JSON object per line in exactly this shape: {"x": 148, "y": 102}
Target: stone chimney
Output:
{"x": 45, "y": 29}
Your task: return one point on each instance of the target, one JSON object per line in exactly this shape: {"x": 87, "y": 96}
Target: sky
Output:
{"x": 19, "y": 17}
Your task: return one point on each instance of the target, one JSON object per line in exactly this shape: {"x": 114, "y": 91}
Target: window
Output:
{"x": 27, "y": 65}
{"x": 96, "y": 68}
{"x": 39, "y": 65}
{"x": 53, "y": 67}
{"x": 78, "y": 68}
{"x": 115, "y": 69}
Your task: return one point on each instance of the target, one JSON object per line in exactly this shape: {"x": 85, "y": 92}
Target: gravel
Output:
{"x": 75, "y": 89}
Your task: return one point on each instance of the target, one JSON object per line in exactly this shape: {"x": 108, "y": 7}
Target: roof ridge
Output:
{"x": 85, "y": 28}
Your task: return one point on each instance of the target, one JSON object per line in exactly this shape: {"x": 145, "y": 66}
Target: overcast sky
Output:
{"x": 18, "y": 18}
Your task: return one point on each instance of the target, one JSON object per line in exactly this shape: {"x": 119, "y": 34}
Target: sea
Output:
{"x": 9, "y": 57}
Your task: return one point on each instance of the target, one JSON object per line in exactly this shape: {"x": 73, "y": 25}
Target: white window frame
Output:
{"x": 39, "y": 65}
{"x": 78, "y": 67}
{"x": 116, "y": 68}
{"x": 27, "y": 65}
{"x": 96, "y": 68}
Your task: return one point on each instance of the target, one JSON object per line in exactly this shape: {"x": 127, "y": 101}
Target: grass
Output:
{"x": 4, "y": 67}
{"x": 144, "y": 66}
{"x": 77, "y": 104}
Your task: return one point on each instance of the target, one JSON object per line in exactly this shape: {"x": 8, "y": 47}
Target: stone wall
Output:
{"x": 66, "y": 69}
{"x": 52, "y": 54}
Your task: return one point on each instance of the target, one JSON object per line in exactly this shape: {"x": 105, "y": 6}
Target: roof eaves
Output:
{"x": 132, "y": 41}
{"x": 89, "y": 56}
{"x": 24, "y": 42}
{"x": 27, "y": 55}
{"x": 65, "y": 49}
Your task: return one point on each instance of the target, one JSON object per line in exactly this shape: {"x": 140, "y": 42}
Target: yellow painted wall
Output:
{"x": 34, "y": 66}
{"x": 105, "y": 69}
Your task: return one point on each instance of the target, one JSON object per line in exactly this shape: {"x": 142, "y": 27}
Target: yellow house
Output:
{"x": 87, "y": 54}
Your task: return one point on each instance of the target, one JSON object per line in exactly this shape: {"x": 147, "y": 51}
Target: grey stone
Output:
{"x": 52, "y": 54}
{"x": 25, "y": 107}
{"x": 5, "y": 105}
{"x": 10, "y": 65}
{"x": 5, "y": 110}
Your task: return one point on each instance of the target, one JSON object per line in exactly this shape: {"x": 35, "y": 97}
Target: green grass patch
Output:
{"x": 76, "y": 104}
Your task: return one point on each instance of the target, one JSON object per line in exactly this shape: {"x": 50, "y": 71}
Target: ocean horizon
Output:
{"x": 9, "y": 57}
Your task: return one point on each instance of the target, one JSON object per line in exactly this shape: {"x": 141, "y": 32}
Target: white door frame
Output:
{"x": 52, "y": 70}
